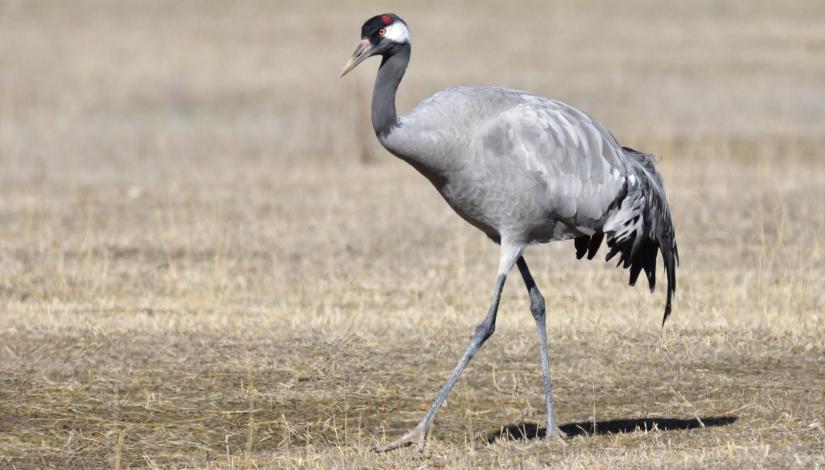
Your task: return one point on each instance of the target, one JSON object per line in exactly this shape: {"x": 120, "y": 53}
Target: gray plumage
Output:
{"x": 523, "y": 169}
{"x": 534, "y": 170}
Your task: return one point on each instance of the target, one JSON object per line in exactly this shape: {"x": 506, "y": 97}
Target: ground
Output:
{"x": 206, "y": 260}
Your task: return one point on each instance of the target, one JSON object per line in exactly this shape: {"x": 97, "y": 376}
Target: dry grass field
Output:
{"x": 206, "y": 261}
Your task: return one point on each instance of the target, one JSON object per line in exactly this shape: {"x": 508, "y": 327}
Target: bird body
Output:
{"x": 523, "y": 169}
{"x": 534, "y": 170}
{"x": 509, "y": 162}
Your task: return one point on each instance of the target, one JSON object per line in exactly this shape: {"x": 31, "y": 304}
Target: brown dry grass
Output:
{"x": 199, "y": 269}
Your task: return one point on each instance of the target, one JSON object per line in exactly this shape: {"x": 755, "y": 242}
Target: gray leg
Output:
{"x": 537, "y": 309}
{"x": 509, "y": 253}
{"x": 482, "y": 332}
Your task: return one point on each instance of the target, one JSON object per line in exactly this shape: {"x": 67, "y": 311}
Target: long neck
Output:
{"x": 384, "y": 117}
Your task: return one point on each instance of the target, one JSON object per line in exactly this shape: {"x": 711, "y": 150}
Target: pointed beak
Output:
{"x": 363, "y": 51}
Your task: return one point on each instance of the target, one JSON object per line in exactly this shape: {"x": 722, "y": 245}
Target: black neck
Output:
{"x": 384, "y": 117}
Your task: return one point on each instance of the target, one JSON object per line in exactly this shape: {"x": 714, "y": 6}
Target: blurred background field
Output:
{"x": 206, "y": 260}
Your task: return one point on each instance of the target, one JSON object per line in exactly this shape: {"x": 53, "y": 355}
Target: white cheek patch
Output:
{"x": 397, "y": 32}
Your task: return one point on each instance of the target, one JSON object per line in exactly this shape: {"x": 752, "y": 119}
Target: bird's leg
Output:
{"x": 483, "y": 331}
{"x": 538, "y": 311}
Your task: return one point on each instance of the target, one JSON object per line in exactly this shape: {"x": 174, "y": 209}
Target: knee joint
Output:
{"x": 536, "y": 304}
{"x": 485, "y": 330}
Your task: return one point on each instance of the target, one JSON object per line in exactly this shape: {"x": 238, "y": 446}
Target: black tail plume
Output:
{"x": 640, "y": 228}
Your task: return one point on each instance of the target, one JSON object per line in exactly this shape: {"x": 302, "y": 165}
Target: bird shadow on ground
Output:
{"x": 589, "y": 428}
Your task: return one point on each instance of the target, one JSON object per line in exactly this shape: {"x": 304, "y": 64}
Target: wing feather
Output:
{"x": 578, "y": 158}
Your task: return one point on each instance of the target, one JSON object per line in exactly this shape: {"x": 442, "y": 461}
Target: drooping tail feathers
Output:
{"x": 640, "y": 227}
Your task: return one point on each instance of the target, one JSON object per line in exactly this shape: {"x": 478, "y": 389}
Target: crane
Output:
{"x": 523, "y": 169}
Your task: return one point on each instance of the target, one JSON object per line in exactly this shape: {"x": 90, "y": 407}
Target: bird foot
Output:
{"x": 554, "y": 434}
{"x": 415, "y": 437}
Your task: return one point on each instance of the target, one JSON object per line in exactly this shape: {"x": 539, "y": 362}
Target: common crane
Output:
{"x": 522, "y": 169}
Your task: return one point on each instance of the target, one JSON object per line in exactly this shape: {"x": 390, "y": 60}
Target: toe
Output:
{"x": 555, "y": 434}
{"x": 396, "y": 444}
{"x": 415, "y": 437}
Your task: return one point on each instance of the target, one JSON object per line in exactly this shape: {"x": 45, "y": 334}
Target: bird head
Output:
{"x": 380, "y": 35}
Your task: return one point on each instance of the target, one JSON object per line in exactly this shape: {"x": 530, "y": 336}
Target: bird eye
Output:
{"x": 382, "y": 32}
